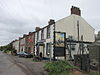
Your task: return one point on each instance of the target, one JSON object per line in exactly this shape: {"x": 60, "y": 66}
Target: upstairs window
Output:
{"x": 37, "y": 35}
{"x": 73, "y": 46}
{"x": 48, "y": 32}
{"x": 48, "y": 48}
{"x": 42, "y": 34}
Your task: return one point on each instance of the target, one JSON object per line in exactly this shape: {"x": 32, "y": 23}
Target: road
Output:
{"x": 13, "y": 65}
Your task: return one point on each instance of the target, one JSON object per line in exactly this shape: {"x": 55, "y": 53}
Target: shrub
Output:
{"x": 58, "y": 67}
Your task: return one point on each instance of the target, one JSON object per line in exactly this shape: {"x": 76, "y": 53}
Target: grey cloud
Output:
{"x": 18, "y": 17}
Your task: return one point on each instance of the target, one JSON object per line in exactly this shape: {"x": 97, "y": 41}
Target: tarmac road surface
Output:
{"x": 13, "y": 65}
{"x": 7, "y": 67}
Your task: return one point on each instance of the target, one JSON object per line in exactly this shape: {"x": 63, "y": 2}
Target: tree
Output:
{"x": 7, "y": 48}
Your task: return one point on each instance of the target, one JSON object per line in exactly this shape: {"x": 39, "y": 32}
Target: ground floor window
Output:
{"x": 73, "y": 46}
{"x": 48, "y": 48}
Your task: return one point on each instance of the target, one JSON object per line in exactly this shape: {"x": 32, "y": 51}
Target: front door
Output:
{"x": 41, "y": 50}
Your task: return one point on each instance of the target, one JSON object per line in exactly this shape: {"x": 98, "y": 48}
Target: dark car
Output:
{"x": 28, "y": 55}
{"x": 25, "y": 54}
{"x": 21, "y": 54}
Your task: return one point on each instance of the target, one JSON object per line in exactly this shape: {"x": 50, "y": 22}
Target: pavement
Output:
{"x": 9, "y": 68}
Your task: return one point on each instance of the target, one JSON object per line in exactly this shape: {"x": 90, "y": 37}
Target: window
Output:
{"x": 48, "y": 48}
{"x": 73, "y": 47}
{"x": 48, "y": 32}
{"x": 37, "y": 35}
{"x": 29, "y": 48}
{"x": 42, "y": 34}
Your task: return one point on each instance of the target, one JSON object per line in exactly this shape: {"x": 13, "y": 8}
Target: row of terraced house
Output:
{"x": 42, "y": 39}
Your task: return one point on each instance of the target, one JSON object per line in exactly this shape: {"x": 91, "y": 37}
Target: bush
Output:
{"x": 58, "y": 67}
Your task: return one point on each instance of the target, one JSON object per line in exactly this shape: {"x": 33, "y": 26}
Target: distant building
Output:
{"x": 22, "y": 43}
{"x": 97, "y": 39}
{"x": 15, "y": 45}
{"x": 73, "y": 25}
{"x": 30, "y": 42}
{"x": 25, "y": 43}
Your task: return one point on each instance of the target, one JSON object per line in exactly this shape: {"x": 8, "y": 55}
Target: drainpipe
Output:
{"x": 70, "y": 38}
{"x": 78, "y": 29}
{"x": 54, "y": 42}
{"x": 50, "y": 23}
{"x": 50, "y": 50}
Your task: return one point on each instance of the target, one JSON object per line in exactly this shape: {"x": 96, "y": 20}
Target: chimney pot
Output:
{"x": 30, "y": 33}
{"x": 51, "y": 22}
{"x": 37, "y": 28}
{"x": 24, "y": 35}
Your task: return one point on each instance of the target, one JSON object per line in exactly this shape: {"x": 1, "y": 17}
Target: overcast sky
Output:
{"x": 18, "y": 17}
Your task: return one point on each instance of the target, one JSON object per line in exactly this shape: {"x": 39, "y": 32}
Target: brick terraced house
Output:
{"x": 73, "y": 26}
{"x": 15, "y": 45}
{"x": 30, "y": 42}
{"x": 50, "y": 41}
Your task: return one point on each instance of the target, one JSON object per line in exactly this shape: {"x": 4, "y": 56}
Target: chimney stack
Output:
{"x": 51, "y": 22}
{"x": 24, "y": 35}
{"x": 75, "y": 10}
{"x": 37, "y": 28}
{"x": 30, "y": 33}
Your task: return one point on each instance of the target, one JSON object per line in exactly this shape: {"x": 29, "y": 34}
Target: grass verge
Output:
{"x": 58, "y": 67}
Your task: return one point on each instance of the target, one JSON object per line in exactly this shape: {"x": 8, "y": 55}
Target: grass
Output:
{"x": 62, "y": 73}
{"x": 58, "y": 67}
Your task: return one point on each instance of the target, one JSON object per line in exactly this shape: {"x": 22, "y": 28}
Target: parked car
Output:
{"x": 24, "y": 54}
{"x": 18, "y": 53}
{"x": 14, "y": 52}
{"x": 28, "y": 55}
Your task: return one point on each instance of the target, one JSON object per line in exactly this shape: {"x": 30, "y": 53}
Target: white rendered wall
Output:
{"x": 22, "y": 44}
{"x": 16, "y": 45}
{"x": 69, "y": 25}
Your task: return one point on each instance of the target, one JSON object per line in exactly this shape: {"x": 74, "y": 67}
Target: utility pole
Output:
{"x": 70, "y": 39}
{"x": 54, "y": 42}
{"x": 78, "y": 29}
{"x": 50, "y": 50}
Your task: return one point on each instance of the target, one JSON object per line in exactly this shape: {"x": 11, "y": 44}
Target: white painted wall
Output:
{"x": 45, "y": 37}
{"x": 16, "y": 45}
{"x": 22, "y": 44}
{"x": 50, "y": 40}
{"x": 69, "y": 25}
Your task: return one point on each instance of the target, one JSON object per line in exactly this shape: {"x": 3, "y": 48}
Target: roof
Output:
{"x": 73, "y": 15}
